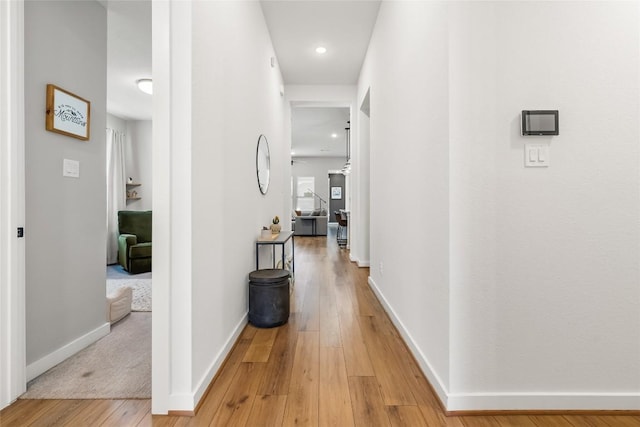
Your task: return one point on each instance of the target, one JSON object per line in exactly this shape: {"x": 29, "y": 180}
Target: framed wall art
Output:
{"x": 336, "y": 193}
{"x": 67, "y": 114}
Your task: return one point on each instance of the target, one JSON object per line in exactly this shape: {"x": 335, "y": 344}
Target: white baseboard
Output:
{"x": 512, "y": 400}
{"x": 543, "y": 401}
{"x": 425, "y": 366}
{"x": 358, "y": 261}
{"x": 52, "y": 359}
{"x": 217, "y": 362}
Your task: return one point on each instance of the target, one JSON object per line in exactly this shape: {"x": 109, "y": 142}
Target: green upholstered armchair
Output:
{"x": 134, "y": 241}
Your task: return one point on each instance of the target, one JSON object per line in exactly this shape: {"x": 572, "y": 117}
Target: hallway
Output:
{"x": 339, "y": 361}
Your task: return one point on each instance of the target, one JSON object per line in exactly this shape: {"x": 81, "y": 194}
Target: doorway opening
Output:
{"x": 318, "y": 148}
{"x": 82, "y": 279}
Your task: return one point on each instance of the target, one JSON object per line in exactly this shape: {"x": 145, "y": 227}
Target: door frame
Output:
{"x": 12, "y": 203}
{"x": 13, "y": 379}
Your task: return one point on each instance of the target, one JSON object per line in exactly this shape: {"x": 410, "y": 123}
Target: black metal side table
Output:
{"x": 277, "y": 239}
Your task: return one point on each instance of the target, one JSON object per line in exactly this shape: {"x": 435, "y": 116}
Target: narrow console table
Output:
{"x": 277, "y": 239}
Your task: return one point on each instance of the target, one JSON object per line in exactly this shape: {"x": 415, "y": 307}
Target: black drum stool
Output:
{"x": 269, "y": 297}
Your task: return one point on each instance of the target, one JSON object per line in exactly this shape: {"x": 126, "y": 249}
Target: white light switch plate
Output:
{"x": 71, "y": 168}
{"x": 536, "y": 155}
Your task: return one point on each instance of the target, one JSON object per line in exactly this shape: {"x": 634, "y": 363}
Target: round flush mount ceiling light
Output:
{"x": 145, "y": 85}
{"x": 334, "y": 135}
{"x": 321, "y": 50}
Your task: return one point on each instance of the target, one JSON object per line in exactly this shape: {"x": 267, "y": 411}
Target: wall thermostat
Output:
{"x": 540, "y": 122}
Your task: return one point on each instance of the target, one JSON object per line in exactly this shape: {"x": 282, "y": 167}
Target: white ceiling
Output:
{"x": 296, "y": 27}
{"x": 311, "y": 130}
{"x": 128, "y": 58}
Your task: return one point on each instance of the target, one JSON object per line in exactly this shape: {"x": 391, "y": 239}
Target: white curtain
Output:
{"x": 116, "y": 190}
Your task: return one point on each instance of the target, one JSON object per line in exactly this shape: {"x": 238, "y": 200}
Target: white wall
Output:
{"x": 116, "y": 123}
{"x": 410, "y": 206}
{"x": 530, "y": 300}
{"x": 317, "y": 167}
{"x": 361, "y": 160}
{"x": 65, "y": 230}
{"x": 474, "y": 186}
{"x": 138, "y": 157}
{"x": 555, "y": 253}
{"x": 223, "y": 95}
{"x": 236, "y": 98}
{"x": 138, "y": 162}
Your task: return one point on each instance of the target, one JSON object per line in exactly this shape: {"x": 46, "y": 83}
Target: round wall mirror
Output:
{"x": 262, "y": 164}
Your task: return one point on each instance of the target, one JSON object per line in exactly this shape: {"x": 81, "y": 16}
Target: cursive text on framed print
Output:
{"x": 67, "y": 114}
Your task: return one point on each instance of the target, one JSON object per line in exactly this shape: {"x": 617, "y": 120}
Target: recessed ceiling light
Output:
{"x": 293, "y": 153}
{"x": 321, "y": 50}
{"x": 334, "y": 135}
{"x": 145, "y": 85}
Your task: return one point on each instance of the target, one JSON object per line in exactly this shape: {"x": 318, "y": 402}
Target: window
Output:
{"x": 305, "y": 188}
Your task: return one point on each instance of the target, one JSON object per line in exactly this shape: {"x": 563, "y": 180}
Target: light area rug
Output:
{"x": 118, "y": 366}
{"x": 141, "y": 291}
{"x": 139, "y": 283}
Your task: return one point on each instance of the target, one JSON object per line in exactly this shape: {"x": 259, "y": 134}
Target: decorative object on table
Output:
{"x": 263, "y": 164}
{"x": 130, "y": 180}
{"x": 336, "y": 193}
{"x": 67, "y": 114}
{"x": 276, "y": 227}
{"x": 265, "y": 233}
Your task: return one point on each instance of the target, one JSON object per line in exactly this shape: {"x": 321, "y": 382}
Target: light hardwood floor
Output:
{"x": 339, "y": 362}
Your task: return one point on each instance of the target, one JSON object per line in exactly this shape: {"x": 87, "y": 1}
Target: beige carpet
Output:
{"x": 117, "y": 366}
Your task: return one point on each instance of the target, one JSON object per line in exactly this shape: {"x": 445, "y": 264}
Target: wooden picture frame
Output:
{"x": 67, "y": 113}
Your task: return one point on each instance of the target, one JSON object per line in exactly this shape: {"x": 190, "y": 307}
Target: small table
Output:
{"x": 277, "y": 239}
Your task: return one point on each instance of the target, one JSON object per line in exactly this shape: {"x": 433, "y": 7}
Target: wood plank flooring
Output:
{"x": 338, "y": 362}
